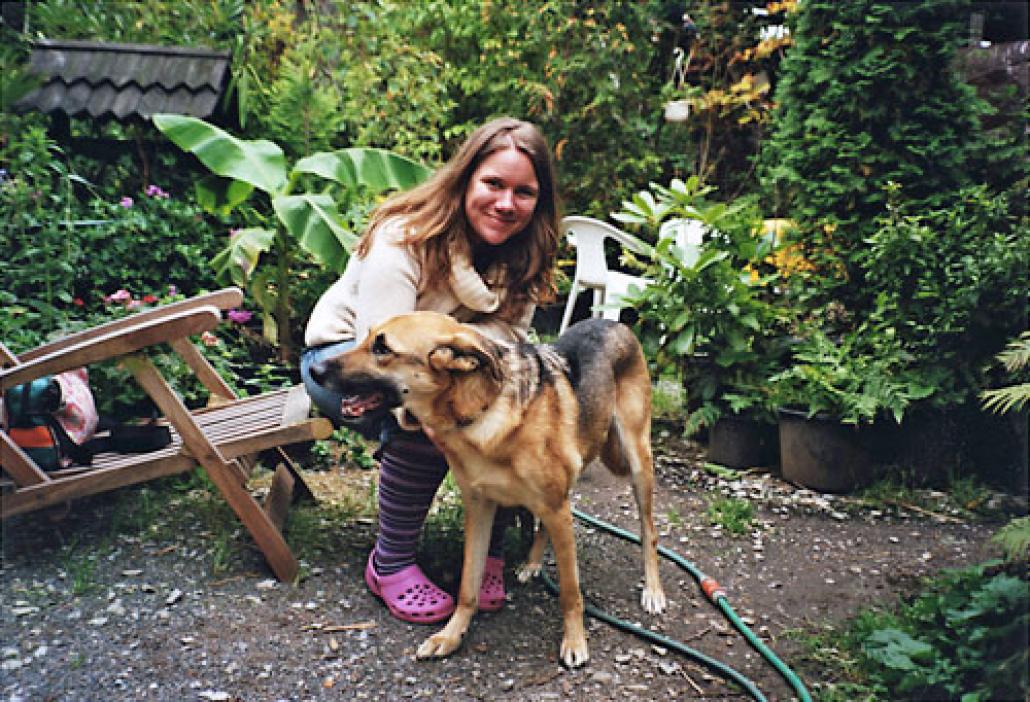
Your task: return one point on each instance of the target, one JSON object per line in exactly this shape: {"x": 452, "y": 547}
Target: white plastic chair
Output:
{"x": 588, "y": 235}
{"x": 687, "y": 234}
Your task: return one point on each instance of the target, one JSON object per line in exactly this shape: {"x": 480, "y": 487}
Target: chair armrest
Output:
{"x": 126, "y": 339}
{"x": 225, "y": 299}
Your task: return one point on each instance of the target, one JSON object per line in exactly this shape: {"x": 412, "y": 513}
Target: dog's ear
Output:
{"x": 475, "y": 365}
{"x": 466, "y": 352}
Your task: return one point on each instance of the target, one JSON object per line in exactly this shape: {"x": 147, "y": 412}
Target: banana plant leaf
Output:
{"x": 220, "y": 195}
{"x": 259, "y": 162}
{"x": 236, "y": 262}
{"x": 313, "y": 221}
{"x": 375, "y": 169}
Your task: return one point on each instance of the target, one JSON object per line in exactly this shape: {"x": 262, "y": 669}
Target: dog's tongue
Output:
{"x": 357, "y": 405}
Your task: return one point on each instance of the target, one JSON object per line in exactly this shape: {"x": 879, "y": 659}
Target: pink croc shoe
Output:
{"x": 491, "y": 591}
{"x": 410, "y": 595}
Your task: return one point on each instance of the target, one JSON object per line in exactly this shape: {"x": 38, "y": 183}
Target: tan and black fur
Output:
{"x": 517, "y": 425}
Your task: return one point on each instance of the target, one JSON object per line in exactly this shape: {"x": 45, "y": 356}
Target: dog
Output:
{"x": 517, "y": 424}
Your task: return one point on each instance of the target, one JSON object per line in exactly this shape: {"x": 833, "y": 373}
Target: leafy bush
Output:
{"x": 964, "y": 637}
{"x": 853, "y": 381}
{"x": 731, "y": 58}
{"x": 582, "y": 72}
{"x": 1016, "y": 359}
{"x": 949, "y": 285}
{"x": 70, "y": 243}
{"x": 710, "y": 315}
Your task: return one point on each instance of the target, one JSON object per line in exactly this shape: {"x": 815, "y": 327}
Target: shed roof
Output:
{"x": 125, "y": 81}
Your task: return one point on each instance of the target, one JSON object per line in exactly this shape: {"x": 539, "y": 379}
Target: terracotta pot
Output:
{"x": 822, "y": 454}
{"x": 743, "y": 442}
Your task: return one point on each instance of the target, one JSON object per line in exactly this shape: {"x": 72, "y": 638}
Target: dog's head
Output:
{"x": 443, "y": 373}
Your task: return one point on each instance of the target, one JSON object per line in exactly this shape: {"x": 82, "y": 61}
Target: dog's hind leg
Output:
{"x": 629, "y": 446}
{"x": 535, "y": 559}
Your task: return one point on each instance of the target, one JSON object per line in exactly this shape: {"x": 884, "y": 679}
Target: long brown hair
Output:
{"x": 435, "y": 214}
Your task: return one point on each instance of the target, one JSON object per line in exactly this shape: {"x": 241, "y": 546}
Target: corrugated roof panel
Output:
{"x": 200, "y": 72}
{"x": 126, "y": 102}
{"x": 51, "y": 97}
{"x": 155, "y": 70}
{"x": 76, "y": 97}
{"x": 47, "y": 62}
{"x": 126, "y": 68}
{"x": 204, "y": 103}
{"x": 126, "y": 80}
{"x": 157, "y": 99}
{"x": 100, "y": 99}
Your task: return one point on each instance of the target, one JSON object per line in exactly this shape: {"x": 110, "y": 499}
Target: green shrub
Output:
{"x": 949, "y": 285}
{"x": 867, "y": 95}
{"x": 964, "y": 637}
{"x": 710, "y": 315}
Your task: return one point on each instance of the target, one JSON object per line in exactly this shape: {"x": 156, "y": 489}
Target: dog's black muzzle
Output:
{"x": 366, "y": 399}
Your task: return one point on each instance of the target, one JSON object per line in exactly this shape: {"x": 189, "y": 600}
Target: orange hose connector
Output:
{"x": 712, "y": 588}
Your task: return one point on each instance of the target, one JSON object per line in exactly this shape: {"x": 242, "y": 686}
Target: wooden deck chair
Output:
{"x": 223, "y": 437}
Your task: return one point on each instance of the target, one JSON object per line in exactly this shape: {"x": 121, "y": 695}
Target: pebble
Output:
{"x": 215, "y": 696}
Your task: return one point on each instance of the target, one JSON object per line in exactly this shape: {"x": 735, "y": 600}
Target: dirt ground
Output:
{"x": 157, "y": 625}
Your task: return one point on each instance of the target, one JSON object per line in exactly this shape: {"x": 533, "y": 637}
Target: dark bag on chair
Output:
{"x": 53, "y": 419}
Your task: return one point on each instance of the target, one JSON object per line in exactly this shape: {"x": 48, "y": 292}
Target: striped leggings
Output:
{"x": 410, "y": 472}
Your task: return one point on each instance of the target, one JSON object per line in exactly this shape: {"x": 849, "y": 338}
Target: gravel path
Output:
{"x": 161, "y": 611}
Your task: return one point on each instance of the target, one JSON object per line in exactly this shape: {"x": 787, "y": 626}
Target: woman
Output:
{"x": 476, "y": 241}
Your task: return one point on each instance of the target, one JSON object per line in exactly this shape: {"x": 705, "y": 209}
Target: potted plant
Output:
{"x": 710, "y": 316}
{"x": 829, "y": 398}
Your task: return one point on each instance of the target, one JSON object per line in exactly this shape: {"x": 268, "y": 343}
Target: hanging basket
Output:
{"x": 679, "y": 110}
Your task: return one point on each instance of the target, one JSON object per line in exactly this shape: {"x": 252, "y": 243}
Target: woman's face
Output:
{"x": 501, "y": 196}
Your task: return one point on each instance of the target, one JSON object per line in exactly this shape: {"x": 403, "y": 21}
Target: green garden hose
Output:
{"x": 717, "y": 596}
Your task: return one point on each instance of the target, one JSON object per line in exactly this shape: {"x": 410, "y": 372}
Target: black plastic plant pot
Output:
{"x": 821, "y": 453}
{"x": 743, "y": 442}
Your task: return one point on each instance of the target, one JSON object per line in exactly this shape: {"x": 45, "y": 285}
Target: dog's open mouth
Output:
{"x": 355, "y": 406}
{"x": 366, "y": 401}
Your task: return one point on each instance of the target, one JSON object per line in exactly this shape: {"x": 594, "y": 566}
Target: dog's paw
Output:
{"x": 653, "y": 601}
{"x": 574, "y": 651}
{"x": 527, "y": 571}
{"x": 438, "y": 646}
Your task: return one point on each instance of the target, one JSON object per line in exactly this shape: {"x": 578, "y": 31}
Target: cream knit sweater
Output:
{"x": 385, "y": 283}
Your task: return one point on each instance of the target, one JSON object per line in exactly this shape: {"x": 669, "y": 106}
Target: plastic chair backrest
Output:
{"x": 587, "y": 235}
{"x": 687, "y": 235}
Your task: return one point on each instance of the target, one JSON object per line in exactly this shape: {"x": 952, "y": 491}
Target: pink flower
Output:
{"x": 78, "y": 302}
{"x": 125, "y": 202}
{"x": 240, "y": 316}
{"x": 156, "y": 191}
{"x": 121, "y": 295}
{"x": 209, "y": 339}
{"x": 173, "y": 290}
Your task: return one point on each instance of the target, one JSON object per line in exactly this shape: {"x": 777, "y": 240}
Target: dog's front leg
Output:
{"x": 574, "y": 651}
{"x": 479, "y": 519}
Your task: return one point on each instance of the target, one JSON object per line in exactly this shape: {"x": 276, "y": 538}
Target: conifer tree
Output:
{"x": 867, "y": 96}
